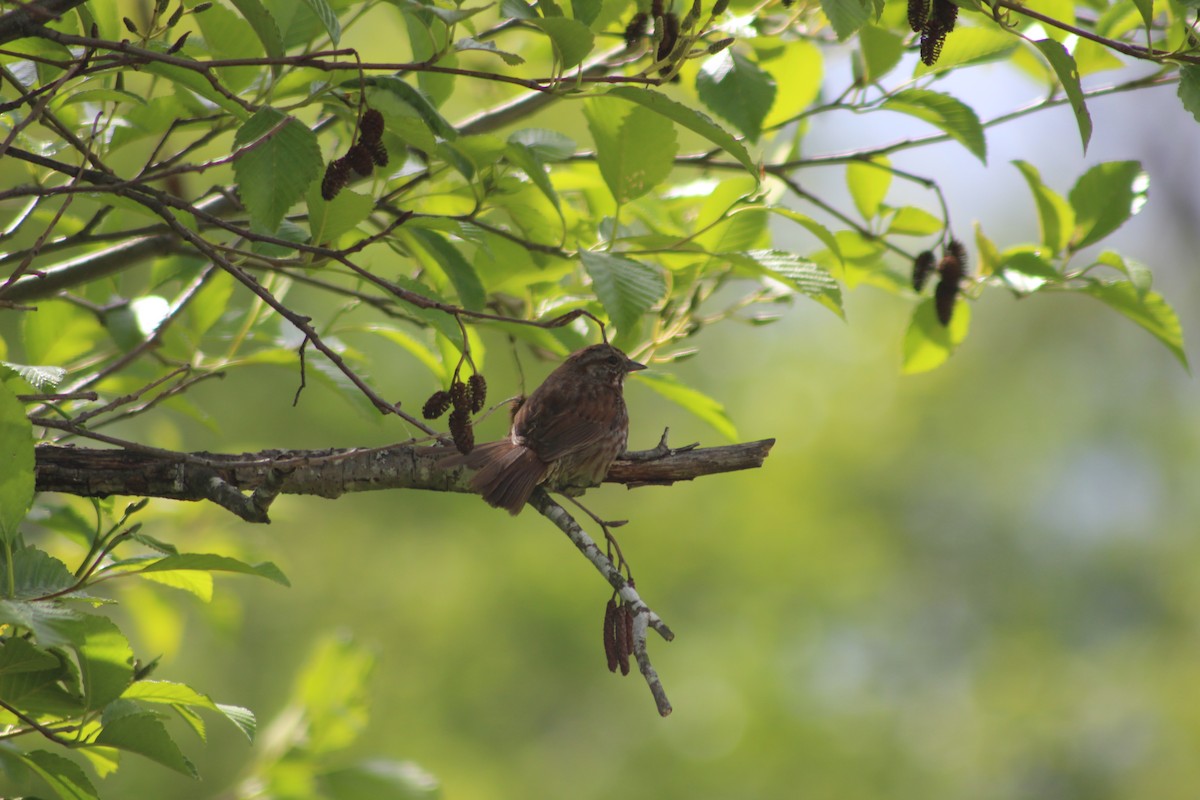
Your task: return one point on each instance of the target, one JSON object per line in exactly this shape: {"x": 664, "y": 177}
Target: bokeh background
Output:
{"x": 978, "y": 582}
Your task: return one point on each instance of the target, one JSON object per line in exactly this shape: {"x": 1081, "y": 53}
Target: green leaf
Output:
{"x": 736, "y": 88}
{"x": 450, "y": 16}
{"x": 799, "y": 274}
{"x": 16, "y": 464}
{"x": 39, "y": 377}
{"x": 36, "y": 573}
{"x": 1104, "y": 198}
{"x": 1139, "y": 274}
{"x": 144, "y": 734}
{"x": 1146, "y": 9}
{"x": 797, "y": 70}
{"x": 868, "y": 182}
{"x": 701, "y": 405}
{"x": 228, "y": 36}
{"x": 1064, "y": 67}
{"x": 207, "y": 562}
{"x": 913, "y": 221}
{"x": 1030, "y": 265}
{"x": 18, "y": 656}
{"x": 52, "y": 623}
{"x": 690, "y": 118}
{"x": 813, "y": 227}
{"x": 545, "y": 144}
{"x": 105, "y": 658}
{"x": 378, "y": 779}
{"x": 571, "y": 38}
{"x": 969, "y": 46}
{"x": 467, "y": 43}
{"x": 263, "y": 25}
{"x": 65, "y": 777}
{"x": 1056, "y": 218}
{"x": 1189, "y": 89}
{"x": 517, "y": 9}
{"x": 879, "y": 52}
{"x": 455, "y": 267}
{"x": 171, "y": 693}
{"x": 635, "y": 153}
{"x": 846, "y": 16}
{"x": 525, "y": 159}
{"x": 928, "y": 343}
{"x": 195, "y": 82}
{"x": 953, "y": 117}
{"x": 414, "y": 98}
{"x": 329, "y": 219}
{"x": 626, "y": 288}
{"x": 275, "y": 173}
{"x": 1147, "y": 309}
{"x": 328, "y": 18}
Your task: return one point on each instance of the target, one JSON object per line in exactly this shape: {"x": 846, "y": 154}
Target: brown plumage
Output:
{"x": 565, "y": 435}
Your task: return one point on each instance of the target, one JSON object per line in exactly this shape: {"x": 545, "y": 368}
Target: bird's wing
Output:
{"x": 556, "y": 422}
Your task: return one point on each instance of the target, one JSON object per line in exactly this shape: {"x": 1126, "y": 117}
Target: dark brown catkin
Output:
{"x": 337, "y": 174}
{"x": 955, "y": 248}
{"x": 945, "y": 13}
{"x": 610, "y": 634}
{"x": 477, "y": 391}
{"x": 622, "y": 631}
{"x": 359, "y": 158}
{"x": 946, "y": 292}
{"x": 437, "y": 404}
{"x": 460, "y": 429}
{"x": 379, "y": 153}
{"x": 922, "y": 268}
{"x": 932, "y": 38}
{"x": 460, "y": 395}
{"x": 918, "y": 12}
{"x": 371, "y": 127}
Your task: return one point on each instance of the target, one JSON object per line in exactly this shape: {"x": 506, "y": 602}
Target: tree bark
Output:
{"x": 223, "y": 478}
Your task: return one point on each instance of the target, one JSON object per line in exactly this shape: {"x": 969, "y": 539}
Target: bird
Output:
{"x": 565, "y": 435}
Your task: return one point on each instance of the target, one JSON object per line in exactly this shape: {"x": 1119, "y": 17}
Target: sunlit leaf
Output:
{"x": 868, "y": 182}
{"x": 635, "y": 152}
{"x": 572, "y": 39}
{"x": 1055, "y": 216}
{"x": 927, "y": 342}
{"x": 65, "y": 777}
{"x": 1064, "y": 67}
{"x": 846, "y": 16}
{"x": 695, "y": 121}
{"x": 1147, "y": 309}
{"x": 956, "y": 119}
{"x": 144, "y": 734}
{"x": 1104, "y": 198}
{"x": 737, "y": 89}
{"x": 274, "y": 174}
{"x": 626, "y": 288}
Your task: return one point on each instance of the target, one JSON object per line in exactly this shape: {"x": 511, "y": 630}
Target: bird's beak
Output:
{"x": 633, "y": 366}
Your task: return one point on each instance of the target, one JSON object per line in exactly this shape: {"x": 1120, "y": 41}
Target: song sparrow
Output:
{"x": 565, "y": 435}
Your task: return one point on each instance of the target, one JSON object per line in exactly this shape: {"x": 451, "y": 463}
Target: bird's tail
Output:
{"x": 507, "y": 473}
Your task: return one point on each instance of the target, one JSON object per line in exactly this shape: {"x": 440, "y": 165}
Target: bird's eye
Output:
{"x": 614, "y": 360}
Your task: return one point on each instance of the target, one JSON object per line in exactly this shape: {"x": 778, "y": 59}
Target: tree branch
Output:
{"x": 90, "y": 472}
